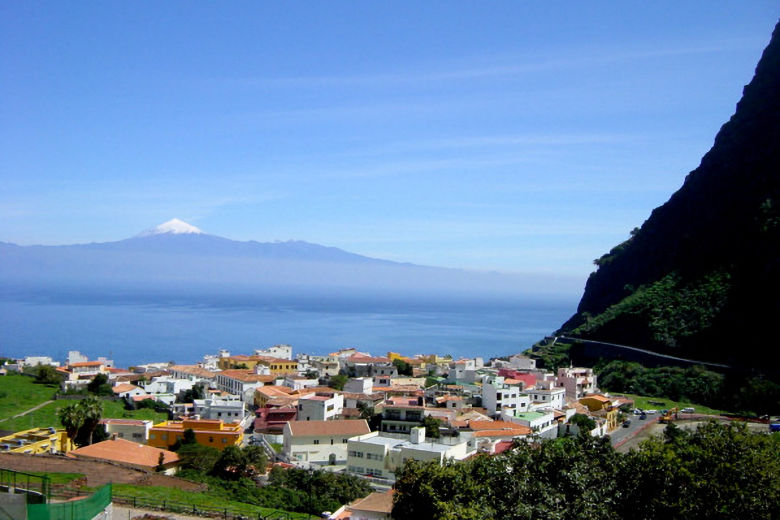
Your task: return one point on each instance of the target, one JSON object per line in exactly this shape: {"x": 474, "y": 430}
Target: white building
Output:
{"x": 359, "y": 385}
{"x": 31, "y": 361}
{"x": 127, "y": 390}
{"x": 497, "y": 396}
{"x": 229, "y": 411}
{"x": 168, "y": 385}
{"x": 299, "y": 382}
{"x": 321, "y": 406}
{"x": 545, "y": 395}
{"x": 541, "y": 423}
{"x": 380, "y": 454}
{"x": 135, "y": 430}
{"x": 577, "y": 381}
{"x": 277, "y": 351}
{"x": 242, "y": 382}
{"x": 74, "y": 356}
{"x": 323, "y": 442}
{"x": 520, "y": 362}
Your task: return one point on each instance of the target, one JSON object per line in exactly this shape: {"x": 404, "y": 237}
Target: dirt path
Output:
{"x": 97, "y": 472}
{"x": 29, "y": 411}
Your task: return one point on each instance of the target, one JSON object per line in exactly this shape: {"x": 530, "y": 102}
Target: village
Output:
{"x": 348, "y": 412}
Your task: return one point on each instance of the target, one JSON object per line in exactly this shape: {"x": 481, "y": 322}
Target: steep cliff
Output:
{"x": 700, "y": 278}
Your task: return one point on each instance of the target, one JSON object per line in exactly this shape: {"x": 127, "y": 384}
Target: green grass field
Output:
{"x": 643, "y": 402}
{"x": 157, "y": 494}
{"x": 58, "y": 478}
{"x": 20, "y": 393}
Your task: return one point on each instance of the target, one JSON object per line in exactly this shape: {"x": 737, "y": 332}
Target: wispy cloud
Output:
{"x": 483, "y": 69}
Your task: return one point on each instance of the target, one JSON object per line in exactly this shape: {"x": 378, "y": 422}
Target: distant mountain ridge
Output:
{"x": 701, "y": 277}
{"x": 178, "y": 253}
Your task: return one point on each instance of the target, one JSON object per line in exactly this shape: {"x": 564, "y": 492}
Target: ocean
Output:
{"x": 140, "y": 327}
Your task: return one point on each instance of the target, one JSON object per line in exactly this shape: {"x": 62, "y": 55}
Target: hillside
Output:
{"x": 700, "y": 277}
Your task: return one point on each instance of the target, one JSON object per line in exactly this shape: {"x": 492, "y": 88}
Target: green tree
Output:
{"x": 72, "y": 419}
{"x": 99, "y": 385}
{"x": 92, "y": 410}
{"x": 47, "y": 375}
{"x": 81, "y": 419}
{"x": 583, "y": 422}
{"x": 198, "y": 458}
{"x": 189, "y": 395}
{"x": 404, "y": 368}
{"x": 338, "y": 381}
{"x": 431, "y": 425}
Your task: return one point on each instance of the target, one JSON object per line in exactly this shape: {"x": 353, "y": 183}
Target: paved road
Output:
{"x": 621, "y": 434}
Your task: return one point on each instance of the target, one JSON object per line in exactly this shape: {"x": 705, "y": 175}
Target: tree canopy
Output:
{"x": 718, "y": 471}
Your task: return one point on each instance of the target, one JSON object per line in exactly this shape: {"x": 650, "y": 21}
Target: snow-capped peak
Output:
{"x": 173, "y": 226}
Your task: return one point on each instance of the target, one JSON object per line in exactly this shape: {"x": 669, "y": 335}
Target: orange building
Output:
{"x": 207, "y": 432}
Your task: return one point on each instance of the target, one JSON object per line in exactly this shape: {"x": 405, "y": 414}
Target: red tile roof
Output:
{"x": 120, "y": 450}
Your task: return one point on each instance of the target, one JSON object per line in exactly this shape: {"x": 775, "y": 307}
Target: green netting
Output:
{"x": 84, "y": 509}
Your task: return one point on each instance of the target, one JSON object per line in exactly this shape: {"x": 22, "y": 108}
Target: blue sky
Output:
{"x": 517, "y": 136}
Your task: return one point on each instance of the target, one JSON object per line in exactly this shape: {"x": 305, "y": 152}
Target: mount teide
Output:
{"x": 178, "y": 254}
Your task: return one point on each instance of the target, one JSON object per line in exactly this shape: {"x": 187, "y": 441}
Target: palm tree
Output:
{"x": 72, "y": 419}
{"x": 91, "y": 409}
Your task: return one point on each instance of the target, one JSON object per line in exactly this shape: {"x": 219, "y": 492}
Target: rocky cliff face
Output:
{"x": 701, "y": 276}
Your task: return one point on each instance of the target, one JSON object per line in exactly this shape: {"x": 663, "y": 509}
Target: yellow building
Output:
{"x": 596, "y": 402}
{"x": 275, "y": 365}
{"x": 36, "y": 440}
{"x": 207, "y": 432}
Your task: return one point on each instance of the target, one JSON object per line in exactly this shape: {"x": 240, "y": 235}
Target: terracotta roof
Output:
{"x": 360, "y": 358}
{"x": 363, "y": 397}
{"x": 312, "y": 428}
{"x": 598, "y": 397}
{"x": 142, "y": 397}
{"x": 123, "y": 387}
{"x": 194, "y": 370}
{"x": 375, "y": 502}
{"x": 247, "y": 376}
{"x": 86, "y": 364}
{"x": 445, "y": 398}
{"x": 274, "y": 391}
{"x": 502, "y": 446}
{"x": 120, "y": 450}
{"x": 515, "y": 431}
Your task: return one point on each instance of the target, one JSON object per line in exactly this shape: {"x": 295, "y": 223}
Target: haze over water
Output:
{"x": 139, "y": 328}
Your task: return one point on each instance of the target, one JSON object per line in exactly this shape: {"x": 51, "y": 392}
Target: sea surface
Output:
{"x": 139, "y": 327}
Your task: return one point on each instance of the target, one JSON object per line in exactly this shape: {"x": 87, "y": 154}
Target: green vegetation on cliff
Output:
{"x": 700, "y": 278}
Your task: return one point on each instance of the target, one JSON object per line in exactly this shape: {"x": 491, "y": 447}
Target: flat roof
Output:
{"x": 530, "y": 415}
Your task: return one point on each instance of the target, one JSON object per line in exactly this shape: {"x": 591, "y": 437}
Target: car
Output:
{"x": 688, "y": 410}
{"x": 637, "y": 412}
{"x": 643, "y": 417}
{"x": 651, "y": 412}
{"x": 626, "y": 423}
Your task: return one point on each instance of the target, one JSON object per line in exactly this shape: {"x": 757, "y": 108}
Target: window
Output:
{"x": 224, "y": 441}
{"x": 331, "y": 441}
{"x": 316, "y": 441}
{"x": 344, "y": 441}
{"x": 211, "y": 439}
